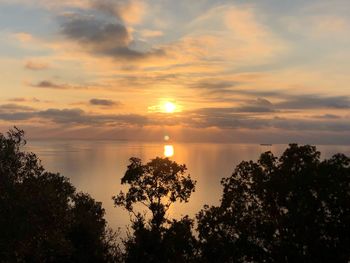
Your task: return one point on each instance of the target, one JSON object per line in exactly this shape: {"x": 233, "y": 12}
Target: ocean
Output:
{"x": 96, "y": 167}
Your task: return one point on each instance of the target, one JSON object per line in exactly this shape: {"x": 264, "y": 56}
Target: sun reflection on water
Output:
{"x": 168, "y": 150}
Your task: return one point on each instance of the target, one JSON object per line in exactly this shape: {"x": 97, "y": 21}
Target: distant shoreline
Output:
{"x": 180, "y": 142}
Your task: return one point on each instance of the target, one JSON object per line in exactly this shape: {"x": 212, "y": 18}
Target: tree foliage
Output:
{"x": 42, "y": 217}
{"x": 292, "y": 209}
{"x": 157, "y": 185}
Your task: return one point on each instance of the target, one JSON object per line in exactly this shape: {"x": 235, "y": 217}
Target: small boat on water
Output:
{"x": 266, "y": 144}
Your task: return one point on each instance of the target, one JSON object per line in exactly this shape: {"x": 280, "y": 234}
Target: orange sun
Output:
{"x": 169, "y": 107}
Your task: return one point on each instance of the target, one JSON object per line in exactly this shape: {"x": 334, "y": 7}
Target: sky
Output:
{"x": 260, "y": 71}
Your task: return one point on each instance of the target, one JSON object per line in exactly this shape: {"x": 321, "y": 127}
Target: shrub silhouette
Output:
{"x": 42, "y": 218}
{"x": 292, "y": 209}
{"x": 157, "y": 185}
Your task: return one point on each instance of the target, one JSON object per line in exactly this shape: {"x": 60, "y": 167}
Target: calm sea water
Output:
{"x": 96, "y": 167}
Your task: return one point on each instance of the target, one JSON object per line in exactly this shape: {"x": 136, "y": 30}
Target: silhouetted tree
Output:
{"x": 42, "y": 218}
{"x": 157, "y": 185}
{"x": 292, "y": 209}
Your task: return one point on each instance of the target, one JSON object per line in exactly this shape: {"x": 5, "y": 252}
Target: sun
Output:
{"x": 164, "y": 106}
{"x": 169, "y": 107}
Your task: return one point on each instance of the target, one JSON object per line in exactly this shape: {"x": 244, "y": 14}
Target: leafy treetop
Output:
{"x": 157, "y": 185}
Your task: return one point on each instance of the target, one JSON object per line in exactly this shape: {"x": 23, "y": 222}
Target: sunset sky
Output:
{"x": 263, "y": 71}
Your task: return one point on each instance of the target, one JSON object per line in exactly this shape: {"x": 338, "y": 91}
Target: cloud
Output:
{"x": 92, "y": 32}
{"x": 259, "y": 105}
{"x": 230, "y": 118}
{"x": 226, "y": 90}
{"x": 22, "y": 99}
{"x": 130, "y": 12}
{"x": 100, "y": 37}
{"x": 236, "y": 34}
{"x": 15, "y": 112}
{"x": 319, "y": 26}
{"x": 78, "y": 116}
{"x": 36, "y": 65}
{"x": 14, "y": 108}
{"x": 23, "y": 37}
{"x": 46, "y": 84}
{"x": 327, "y": 116}
{"x": 50, "y": 4}
{"x": 146, "y": 33}
{"x": 314, "y": 102}
{"x": 104, "y": 102}
{"x": 214, "y": 84}
{"x": 310, "y": 125}
{"x": 223, "y": 89}
{"x": 74, "y": 116}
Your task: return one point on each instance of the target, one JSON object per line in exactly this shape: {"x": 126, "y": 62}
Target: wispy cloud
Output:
{"x": 130, "y": 12}
{"x": 48, "y": 84}
{"x": 146, "y": 33}
{"x": 23, "y": 99}
{"x": 105, "y": 102}
{"x": 36, "y": 65}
